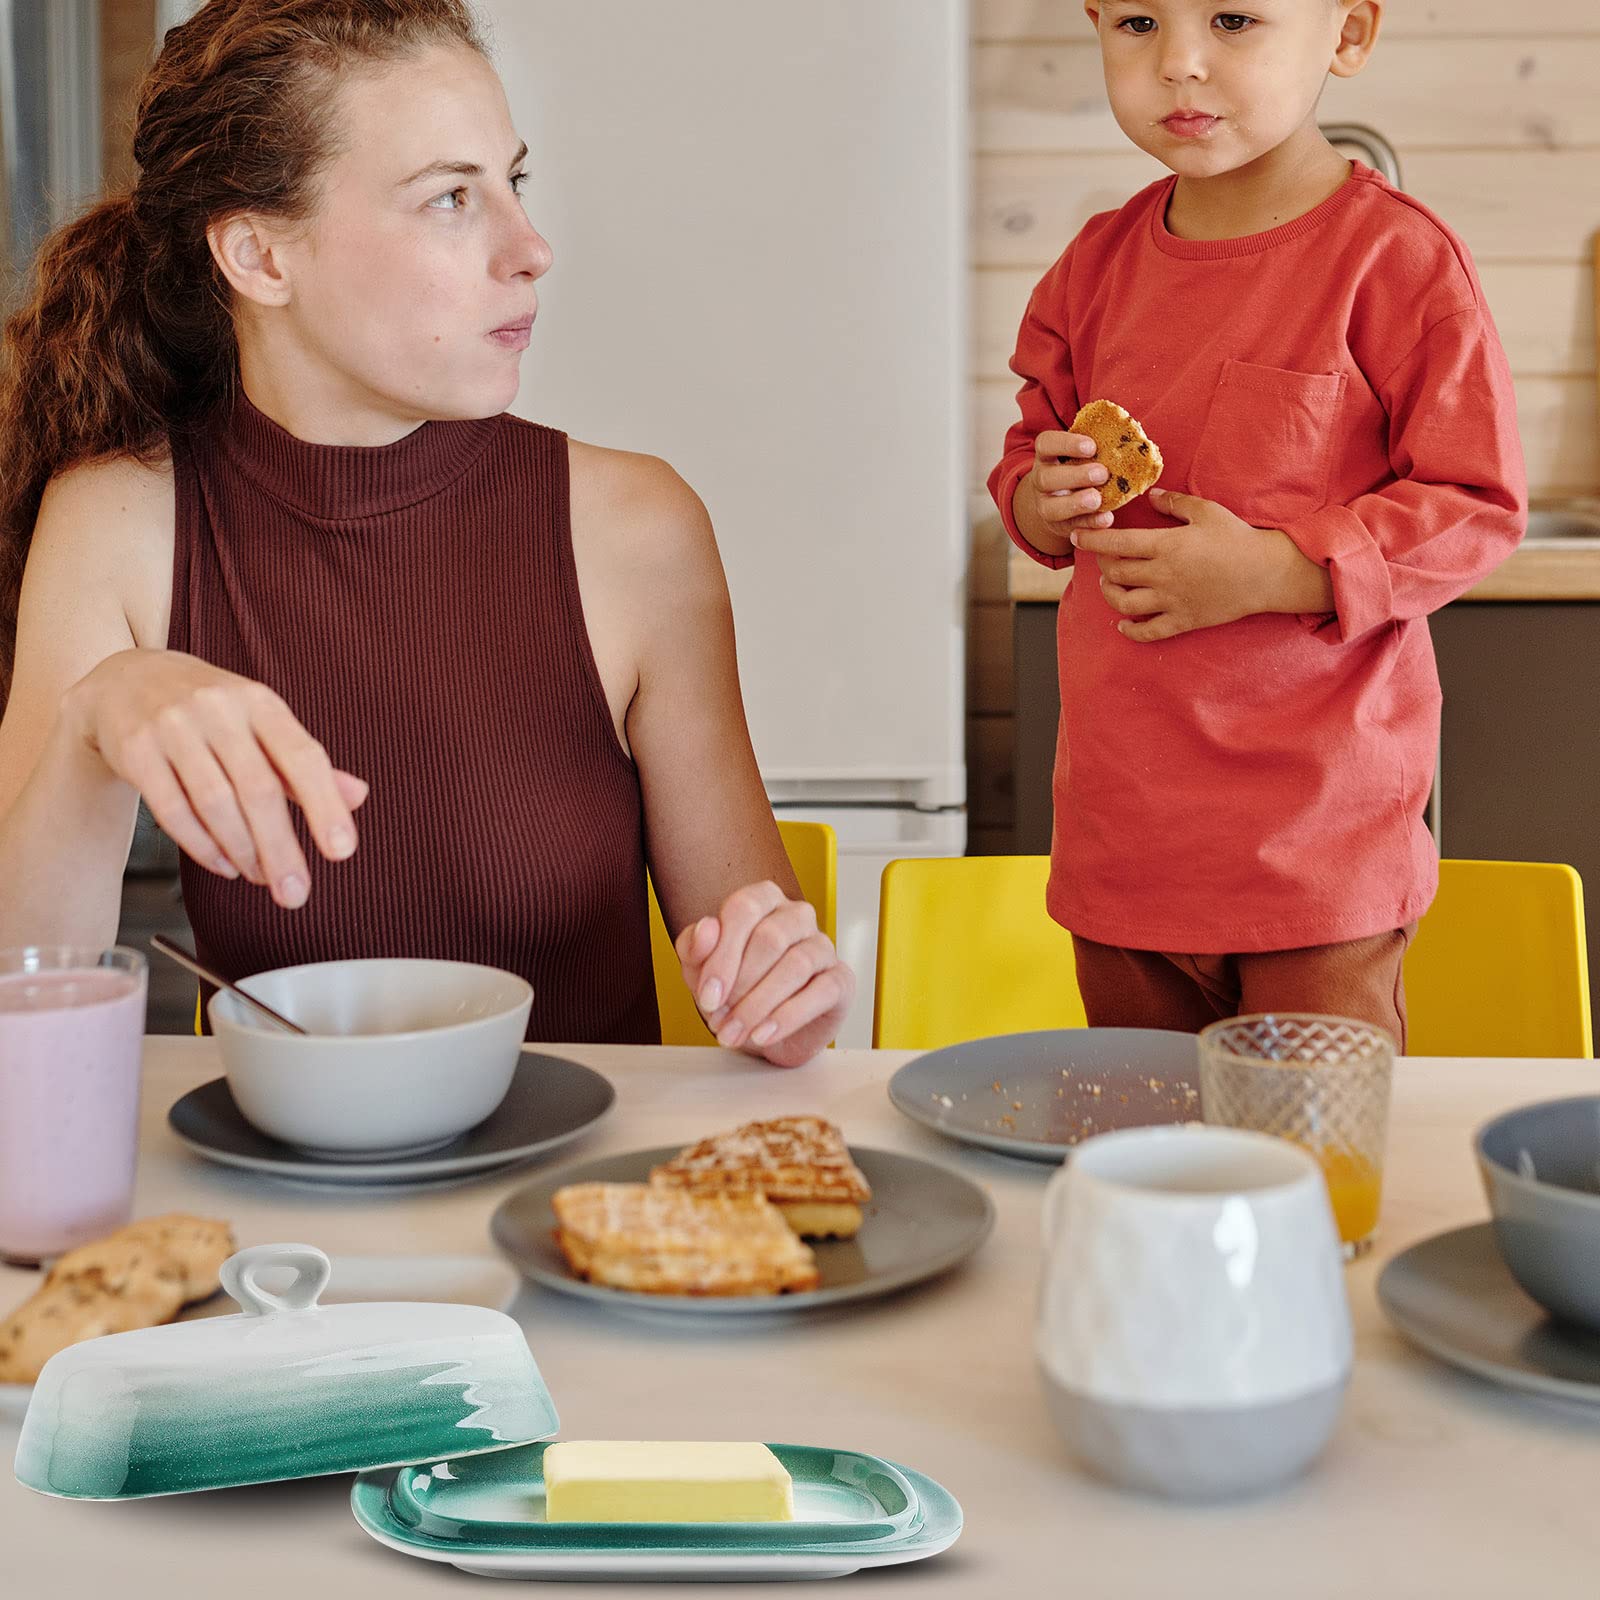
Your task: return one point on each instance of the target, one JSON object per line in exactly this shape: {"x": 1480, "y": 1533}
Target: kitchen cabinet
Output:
{"x": 1520, "y": 768}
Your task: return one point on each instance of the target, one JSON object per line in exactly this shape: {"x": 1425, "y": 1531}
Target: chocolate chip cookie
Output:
{"x": 1123, "y": 448}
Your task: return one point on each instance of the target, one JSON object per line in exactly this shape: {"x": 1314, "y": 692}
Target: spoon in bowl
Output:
{"x": 177, "y": 953}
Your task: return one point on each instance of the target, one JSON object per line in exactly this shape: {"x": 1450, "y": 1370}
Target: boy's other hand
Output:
{"x": 1065, "y": 482}
{"x": 1214, "y": 568}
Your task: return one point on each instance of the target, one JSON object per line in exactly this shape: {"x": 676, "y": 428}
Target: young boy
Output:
{"x": 1250, "y": 707}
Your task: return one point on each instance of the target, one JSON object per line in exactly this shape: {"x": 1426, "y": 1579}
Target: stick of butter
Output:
{"x": 615, "y": 1480}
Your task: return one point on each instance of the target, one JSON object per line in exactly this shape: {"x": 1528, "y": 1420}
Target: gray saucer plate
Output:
{"x": 1453, "y": 1296}
{"x": 385, "y": 1189}
{"x": 550, "y": 1102}
{"x": 922, "y": 1220}
{"x": 1036, "y": 1095}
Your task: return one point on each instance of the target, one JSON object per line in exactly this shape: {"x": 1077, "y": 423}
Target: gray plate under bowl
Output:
{"x": 1455, "y": 1297}
{"x": 550, "y": 1102}
{"x": 922, "y": 1220}
{"x": 1036, "y": 1095}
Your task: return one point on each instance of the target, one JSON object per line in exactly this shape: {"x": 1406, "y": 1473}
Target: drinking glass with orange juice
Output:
{"x": 1322, "y": 1083}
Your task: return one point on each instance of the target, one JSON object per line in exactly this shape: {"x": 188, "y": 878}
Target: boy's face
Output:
{"x": 1208, "y": 90}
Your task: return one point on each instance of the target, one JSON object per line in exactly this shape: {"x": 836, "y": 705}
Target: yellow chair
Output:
{"x": 966, "y": 948}
{"x": 814, "y": 854}
{"x": 1500, "y": 965}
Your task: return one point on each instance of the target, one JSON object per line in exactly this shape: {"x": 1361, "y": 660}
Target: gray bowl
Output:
{"x": 1541, "y": 1171}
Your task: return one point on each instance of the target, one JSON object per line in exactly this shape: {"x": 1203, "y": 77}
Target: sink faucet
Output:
{"x": 1380, "y": 154}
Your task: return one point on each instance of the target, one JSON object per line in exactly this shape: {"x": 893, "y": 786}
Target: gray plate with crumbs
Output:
{"x": 1036, "y": 1095}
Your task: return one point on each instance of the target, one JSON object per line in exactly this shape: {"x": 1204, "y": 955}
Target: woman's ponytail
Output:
{"x": 83, "y": 376}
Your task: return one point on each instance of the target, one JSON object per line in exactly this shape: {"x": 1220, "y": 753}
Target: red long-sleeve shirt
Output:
{"x": 1262, "y": 785}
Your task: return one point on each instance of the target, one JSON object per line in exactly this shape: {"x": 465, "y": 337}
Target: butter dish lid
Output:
{"x": 287, "y": 1388}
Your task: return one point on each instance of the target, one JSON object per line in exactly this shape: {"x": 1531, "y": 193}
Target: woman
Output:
{"x": 270, "y": 539}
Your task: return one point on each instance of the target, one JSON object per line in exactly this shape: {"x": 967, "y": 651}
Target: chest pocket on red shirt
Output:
{"x": 1266, "y": 449}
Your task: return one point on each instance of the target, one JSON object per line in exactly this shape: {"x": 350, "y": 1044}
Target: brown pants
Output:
{"x": 1149, "y": 989}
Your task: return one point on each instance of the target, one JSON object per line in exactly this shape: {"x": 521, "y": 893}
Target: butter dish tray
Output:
{"x": 485, "y": 1515}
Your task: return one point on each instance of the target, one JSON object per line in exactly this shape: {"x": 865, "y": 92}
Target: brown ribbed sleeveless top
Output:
{"x": 416, "y": 605}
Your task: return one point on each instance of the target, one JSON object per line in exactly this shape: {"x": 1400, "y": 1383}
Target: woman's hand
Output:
{"x": 1214, "y": 568}
{"x": 217, "y": 758}
{"x": 764, "y": 977}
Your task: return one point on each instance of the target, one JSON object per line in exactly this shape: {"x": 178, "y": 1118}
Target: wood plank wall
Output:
{"x": 1494, "y": 110}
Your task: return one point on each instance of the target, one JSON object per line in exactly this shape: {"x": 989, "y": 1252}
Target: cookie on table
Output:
{"x": 119, "y": 1264}
{"x": 187, "y": 1250}
{"x": 199, "y": 1244}
{"x": 66, "y": 1311}
{"x": 1123, "y": 448}
{"x": 137, "y": 1277}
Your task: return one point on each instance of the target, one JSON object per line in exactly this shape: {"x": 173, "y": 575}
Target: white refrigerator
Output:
{"x": 758, "y": 210}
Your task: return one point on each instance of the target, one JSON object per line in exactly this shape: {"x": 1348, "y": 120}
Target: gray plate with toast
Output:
{"x": 921, "y": 1221}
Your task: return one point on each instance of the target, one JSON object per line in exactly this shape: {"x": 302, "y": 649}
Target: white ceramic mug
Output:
{"x": 1193, "y": 1333}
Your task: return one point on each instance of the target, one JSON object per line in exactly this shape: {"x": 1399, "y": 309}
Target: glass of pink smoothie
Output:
{"x": 71, "y": 1033}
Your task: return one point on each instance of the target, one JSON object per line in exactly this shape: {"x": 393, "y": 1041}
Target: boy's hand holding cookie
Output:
{"x": 1213, "y": 569}
{"x": 1061, "y": 493}
{"x": 1082, "y": 474}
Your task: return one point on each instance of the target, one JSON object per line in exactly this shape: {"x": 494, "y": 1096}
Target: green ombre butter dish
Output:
{"x": 285, "y": 1389}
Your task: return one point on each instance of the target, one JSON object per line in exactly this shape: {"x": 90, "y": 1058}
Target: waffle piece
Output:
{"x": 801, "y": 1164}
{"x": 819, "y": 1219}
{"x": 656, "y": 1240}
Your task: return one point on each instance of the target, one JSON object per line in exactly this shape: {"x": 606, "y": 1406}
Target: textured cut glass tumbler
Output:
{"x": 1321, "y": 1082}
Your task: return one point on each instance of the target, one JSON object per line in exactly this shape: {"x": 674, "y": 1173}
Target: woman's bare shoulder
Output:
{"x": 637, "y": 508}
{"x": 123, "y": 483}
{"x": 113, "y": 521}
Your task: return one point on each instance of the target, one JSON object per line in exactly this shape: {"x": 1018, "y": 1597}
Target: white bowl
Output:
{"x": 400, "y": 1057}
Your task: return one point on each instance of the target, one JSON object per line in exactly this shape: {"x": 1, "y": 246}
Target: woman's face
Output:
{"x": 415, "y": 279}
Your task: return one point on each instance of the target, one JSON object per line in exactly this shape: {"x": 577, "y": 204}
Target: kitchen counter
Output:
{"x": 1563, "y": 567}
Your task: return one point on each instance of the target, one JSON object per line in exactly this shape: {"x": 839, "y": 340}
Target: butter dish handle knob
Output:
{"x": 241, "y": 1277}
